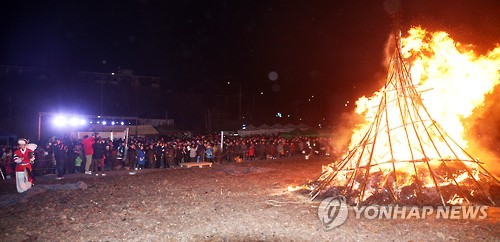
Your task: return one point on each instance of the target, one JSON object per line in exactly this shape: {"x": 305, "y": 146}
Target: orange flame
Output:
{"x": 452, "y": 81}
{"x": 457, "y": 78}
{"x": 451, "y": 78}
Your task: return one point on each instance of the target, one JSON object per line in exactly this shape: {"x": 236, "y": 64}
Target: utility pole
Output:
{"x": 240, "y": 104}
{"x": 40, "y": 124}
{"x": 10, "y": 113}
{"x": 102, "y": 92}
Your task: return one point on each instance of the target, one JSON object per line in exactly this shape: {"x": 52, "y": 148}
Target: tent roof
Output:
{"x": 299, "y": 132}
{"x": 250, "y": 127}
{"x": 143, "y": 130}
{"x": 303, "y": 127}
{"x": 264, "y": 126}
{"x": 278, "y": 126}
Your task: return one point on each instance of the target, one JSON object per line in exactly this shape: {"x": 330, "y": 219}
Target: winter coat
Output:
{"x": 98, "y": 149}
{"x": 87, "y": 145}
{"x": 59, "y": 153}
{"x": 209, "y": 153}
{"x": 141, "y": 156}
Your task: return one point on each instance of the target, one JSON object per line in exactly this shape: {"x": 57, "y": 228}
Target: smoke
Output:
{"x": 347, "y": 123}
{"x": 484, "y": 132}
{"x": 390, "y": 46}
{"x": 392, "y": 7}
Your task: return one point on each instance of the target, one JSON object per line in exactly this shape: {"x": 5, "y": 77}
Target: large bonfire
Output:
{"x": 411, "y": 147}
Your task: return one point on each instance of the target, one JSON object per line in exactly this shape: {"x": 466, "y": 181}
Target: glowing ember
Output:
{"x": 412, "y": 137}
{"x": 293, "y": 188}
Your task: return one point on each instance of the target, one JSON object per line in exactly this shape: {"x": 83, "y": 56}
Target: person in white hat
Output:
{"x": 23, "y": 157}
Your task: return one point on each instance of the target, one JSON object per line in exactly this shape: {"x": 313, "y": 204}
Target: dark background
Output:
{"x": 332, "y": 50}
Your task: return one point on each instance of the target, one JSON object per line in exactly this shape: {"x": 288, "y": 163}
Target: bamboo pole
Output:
{"x": 370, "y": 159}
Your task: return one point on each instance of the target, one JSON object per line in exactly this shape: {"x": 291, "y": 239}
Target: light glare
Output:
{"x": 60, "y": 121}
{"x": 73, "y": 121}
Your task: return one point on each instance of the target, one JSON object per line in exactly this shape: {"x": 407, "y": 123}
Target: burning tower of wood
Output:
{"x": 403, "y": 155}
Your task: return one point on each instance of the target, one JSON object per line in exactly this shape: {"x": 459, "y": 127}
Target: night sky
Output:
{"x": 332, "y": 50}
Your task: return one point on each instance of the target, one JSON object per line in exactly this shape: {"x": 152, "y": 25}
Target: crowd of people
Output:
{"x": 94, "y": 155}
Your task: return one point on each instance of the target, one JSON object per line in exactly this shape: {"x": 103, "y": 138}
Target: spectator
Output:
{"x": 98, "y": 157}
{"x": 8, "y": 164}
{"x": 160, "y": 155}
{"x": 120, "y": 155}
{"x": 60, "y": 156}
{"x": 87, "y": 143}
{"x": 178, "y": 154}
{"x": 108, "y": 157}
{"x": 141, "y": 158}
{"x": 200, "y": 152}
{"x": 169, "y": 156}
{"x": 251, "y": 152}
{"x": 209, "y": 152}
{"x": 192, "y": 153}
{"x": 150, "y": 156}
{"x": 132, "y": 159}
{"x": 78, "y": 158}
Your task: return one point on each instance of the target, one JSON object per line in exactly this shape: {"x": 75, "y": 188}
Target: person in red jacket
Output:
{"x": 23, "y": 157}
{"x": 89, "y": 151}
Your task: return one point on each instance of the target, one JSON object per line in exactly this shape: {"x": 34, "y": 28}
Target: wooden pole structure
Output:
{"x": 420, "y": 134}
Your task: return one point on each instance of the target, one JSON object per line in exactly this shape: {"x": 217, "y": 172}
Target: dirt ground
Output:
{"x": 246, "y": 201}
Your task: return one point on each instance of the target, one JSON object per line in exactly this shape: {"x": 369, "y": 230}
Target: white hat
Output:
{"x": 22, "y": 141}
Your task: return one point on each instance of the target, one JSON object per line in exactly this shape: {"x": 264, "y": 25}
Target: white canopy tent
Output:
{"x": 116, "y": 131}
{"x": 275, "y": 129}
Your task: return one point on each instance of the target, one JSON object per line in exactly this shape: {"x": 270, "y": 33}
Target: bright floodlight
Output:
{"x": 122, "y": 123}
{"x": 103, "y": 122}
{"x": 113, "y": 123}
{"x": 60, "y": 121}
{"x": 82, "y": 122}
{"x": 73, "y": 121}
